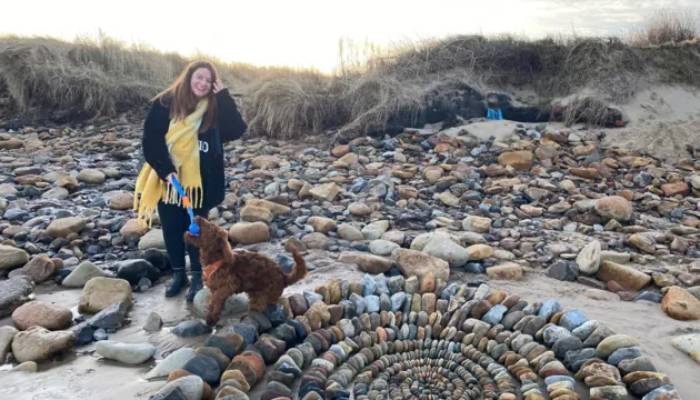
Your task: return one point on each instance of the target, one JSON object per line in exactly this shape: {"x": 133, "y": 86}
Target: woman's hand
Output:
{"x": 217, "y": 86}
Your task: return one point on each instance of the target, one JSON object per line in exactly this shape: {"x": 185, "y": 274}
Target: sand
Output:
{"x": 663, "y": 120}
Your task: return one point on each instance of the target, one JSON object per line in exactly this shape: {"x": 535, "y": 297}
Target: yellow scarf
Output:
{"x": 183, "y": 146}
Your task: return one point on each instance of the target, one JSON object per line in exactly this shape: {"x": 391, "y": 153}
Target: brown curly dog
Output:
{"x": 226, "y": 272}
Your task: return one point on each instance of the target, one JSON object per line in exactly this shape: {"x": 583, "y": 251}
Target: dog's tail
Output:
{"x": 299, "y": 271}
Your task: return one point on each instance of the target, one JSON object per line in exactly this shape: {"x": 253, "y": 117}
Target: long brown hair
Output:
{"x": 181, "y": 99}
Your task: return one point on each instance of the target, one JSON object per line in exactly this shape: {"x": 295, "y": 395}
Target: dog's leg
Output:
{"x": 216, "y": 305}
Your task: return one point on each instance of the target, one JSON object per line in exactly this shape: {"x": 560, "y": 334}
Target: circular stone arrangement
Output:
{"x": 381, "y": 339}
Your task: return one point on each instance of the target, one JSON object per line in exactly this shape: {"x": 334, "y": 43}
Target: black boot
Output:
{"x": 195, "y": 285}
{"x": 177, "y": 284}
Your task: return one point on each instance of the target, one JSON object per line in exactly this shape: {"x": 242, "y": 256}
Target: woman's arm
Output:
{"x": 155, "y": 151}
{"x": 231, "y": 124}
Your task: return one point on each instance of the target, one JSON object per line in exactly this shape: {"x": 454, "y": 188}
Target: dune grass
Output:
{"x": 398, "y": 85}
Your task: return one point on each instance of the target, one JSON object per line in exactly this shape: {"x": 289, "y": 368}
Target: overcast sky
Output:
{"x": 305, "y": 33}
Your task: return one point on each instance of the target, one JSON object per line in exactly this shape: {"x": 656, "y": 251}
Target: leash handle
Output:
{"x": 178, "y": 186}
{"x": 193, "y": 228}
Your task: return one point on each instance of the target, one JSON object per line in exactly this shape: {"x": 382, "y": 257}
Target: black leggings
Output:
{"x": 175, "y": 222}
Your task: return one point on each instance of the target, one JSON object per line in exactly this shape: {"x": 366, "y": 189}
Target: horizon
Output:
{"x": 307, "y": 34}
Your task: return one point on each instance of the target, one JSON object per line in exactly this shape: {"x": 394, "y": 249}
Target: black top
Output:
{"x": 229, "y": 126}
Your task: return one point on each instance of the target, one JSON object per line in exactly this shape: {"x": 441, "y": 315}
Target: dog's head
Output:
{"x": 209, "y": 234}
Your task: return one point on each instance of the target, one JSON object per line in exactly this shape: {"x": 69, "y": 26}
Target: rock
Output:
{"x": 366, "y": 262}
{"x": 173, "y": 361}
{"x": 505, "y": 271}
{"x": 256, "y": 214}
{"x": 479, "y": 251}
{"x": 375, "y": 230}
{"x": 476, "y": 224}
{"x": 119, "y": 200}
{"x": 395, "y": 236}
{"x": 191, "y": 328}
{"x": 67, "y": 181}
{"x": 495, "y": 314}
{"x": 635, "y": 365}
{"x": 152, "y": 240}
{"x": 111, "y": 318}
{"x": 6, "y": 334}
{"x": 572, "y": 319}
{"x": 563, "y": 270}
{"x": 205, "y": 367}
{"x": 340, "y": 150}
{"x": 612, "y": 343}
{"x": 448, "y": 199}
{"x": 629, "y": 277}
{"x": 675, "y": 188}
{"x": 347, "y": 160}
{"x": 440, "y": 245}
{"x": 82, "y": 274}
{"x": 133, "y": 229}
{"x": 12, "y": 257}
{"x": 419, "y": 264}
{"x": 37, "y": 343}
{"x": 273, "y": 207}
{"x": 614, "y": 207}
{"x": 134, "y": 270}
{"x": 614, "y": 256}
{"x": 644, "y": 242}
{"x": 190, "y": 387}
{"x": 589, "y": 258}
{"x": 39, "y": 268}
{"x": 14, "y": 292}
{"x": 102, "y": 292}
{"x": 57, "y": 193}
{"x": 322, "y": 224}
{"x": 681, "y": 305}
{"x": 695, "y": 291}
{"x": 27, "y": 366}
{"x": 689, "y": 344}
{"x": 153, "y": 323}
{"x": 349, "y": 232}
{"x": 326, "y": 191}
{"x": 521, "y": 159}
{"x": 127, "y": 353}
{"x": 40, "y": 313}
{"x": 609, "y": 392}
{"x": 666, "y": 392}
{"x": 316, "y": 240}
{"x": 382, "y": 247}
{"x": 249, "y": 232}
{"x": 359, "y": 209}
{"x": 11, "y": 143}
{"x": 92, "y": 176}
{"x": 265, "y": 161}
{"x": 62, "y": 227}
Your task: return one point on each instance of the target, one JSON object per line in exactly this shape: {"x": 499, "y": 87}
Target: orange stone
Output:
{"x": 340, "y": 150}
{"x": 675, "y": 188}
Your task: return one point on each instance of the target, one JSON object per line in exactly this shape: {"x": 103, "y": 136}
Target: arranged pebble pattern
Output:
{"x": 382, "y": 339}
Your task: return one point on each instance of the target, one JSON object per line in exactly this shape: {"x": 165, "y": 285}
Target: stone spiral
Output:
{"x": 375, "y": 340}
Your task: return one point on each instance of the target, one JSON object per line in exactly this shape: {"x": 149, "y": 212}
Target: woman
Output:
{"x": 182, "y": 137}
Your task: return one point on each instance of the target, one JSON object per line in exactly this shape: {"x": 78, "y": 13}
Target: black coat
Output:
{"x": 229, "y": 126}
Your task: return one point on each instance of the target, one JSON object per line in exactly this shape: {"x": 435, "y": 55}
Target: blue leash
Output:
{"x": 194, "y": 228}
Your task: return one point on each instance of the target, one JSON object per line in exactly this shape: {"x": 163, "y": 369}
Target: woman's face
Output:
{"x": 201, "y": 82}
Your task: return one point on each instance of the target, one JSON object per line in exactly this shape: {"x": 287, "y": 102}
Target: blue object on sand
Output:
{"x": 494, "y": 114}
